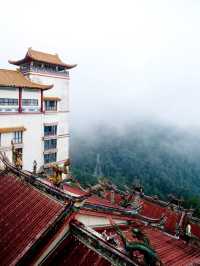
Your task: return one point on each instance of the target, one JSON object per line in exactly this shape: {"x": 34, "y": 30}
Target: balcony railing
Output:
{"x": 50, "y": 108}
{"x": 45, "y": 70}
{"x": 5, "y": 110}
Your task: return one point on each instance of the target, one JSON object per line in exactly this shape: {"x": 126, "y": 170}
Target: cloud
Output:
{"x": 135, "y": 58}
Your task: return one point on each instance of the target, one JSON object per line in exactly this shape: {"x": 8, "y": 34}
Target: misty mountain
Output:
{"x": 163, "y": 158}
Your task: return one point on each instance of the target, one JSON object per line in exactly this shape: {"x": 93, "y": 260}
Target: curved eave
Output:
{"x": 28, "y": 59}
{"x": 48, "y": 87}
{"x": 18, "y": 63}
{"x": 71, "y": 66}
{"x": 45, "y": 87}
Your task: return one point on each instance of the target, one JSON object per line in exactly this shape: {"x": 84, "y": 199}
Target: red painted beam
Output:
{"x": 42, "y": 100}
{"x": 20, "y": 100}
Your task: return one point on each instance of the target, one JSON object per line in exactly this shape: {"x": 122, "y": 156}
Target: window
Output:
{"x": 50, "y": 144}
{"x": 29, "y": 102}
{"x": 51, "y": 105}
{"x": 50, "y": 130}
{"x": 50, "y": 158}
{"x": 8, "y": 101}
{"x": 18, "y": 137}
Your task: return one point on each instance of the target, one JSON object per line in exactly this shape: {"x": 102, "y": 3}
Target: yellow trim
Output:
{"x": 11, "y": 129}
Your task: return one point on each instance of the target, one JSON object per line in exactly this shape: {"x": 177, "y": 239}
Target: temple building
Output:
{"x": 49, "y": 220}
{"x": 34, "y": 109}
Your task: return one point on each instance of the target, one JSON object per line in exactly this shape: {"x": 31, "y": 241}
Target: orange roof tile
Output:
{"x": 11, "y": 129}
{"x": 52, "y": 98}
{"x": 42, "y": 57}
{"x": 13, "y": 78}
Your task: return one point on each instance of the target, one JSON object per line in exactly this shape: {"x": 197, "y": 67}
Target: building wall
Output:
{"x": 31, "y": 94}
{"x": 60, "y": 88}
{"x": 61, "y": 117}
{"x": 9, "y": 93}
{"x": 97, "y": 221}
{"x": 33, "y": 137}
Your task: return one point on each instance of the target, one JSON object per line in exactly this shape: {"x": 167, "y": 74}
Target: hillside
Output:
{"x": 164, "y": 159}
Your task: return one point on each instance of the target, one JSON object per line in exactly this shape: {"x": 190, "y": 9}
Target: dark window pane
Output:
{"x": 50, "y": 130}
{"x": 18, "y": 137}
{"x": 8, "y": 101}
{"x": 30, "y": 102}
{"x": 50, "y": 105}
{"x": 49, "y": 158}
{"x": 50, "y": 144}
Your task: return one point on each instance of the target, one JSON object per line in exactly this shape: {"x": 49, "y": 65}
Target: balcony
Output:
{"x": 44, "y": 70}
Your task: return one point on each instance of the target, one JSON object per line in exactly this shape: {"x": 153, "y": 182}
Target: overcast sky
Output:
{"x": 135, "y": 58}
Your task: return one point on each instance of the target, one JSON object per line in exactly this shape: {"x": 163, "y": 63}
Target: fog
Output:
{"x": 137, "y": 60}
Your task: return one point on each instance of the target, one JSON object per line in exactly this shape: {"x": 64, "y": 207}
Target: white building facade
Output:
{"x": 34, "y": 110}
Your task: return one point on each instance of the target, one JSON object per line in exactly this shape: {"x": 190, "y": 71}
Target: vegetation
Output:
{"x": 165, "y": 160}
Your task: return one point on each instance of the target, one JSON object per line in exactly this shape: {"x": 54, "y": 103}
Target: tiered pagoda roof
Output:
{"x": 33, "y": 55}
{"x": 15, "y": 79}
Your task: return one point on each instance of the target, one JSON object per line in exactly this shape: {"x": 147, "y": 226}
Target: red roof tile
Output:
{"x": 152, "y": 210}
{"x": 75, "y": 253}
{"x": 170, "y": 250}
{"x": 155, "y": 211}
{"x": 25, "y": 213}
{"x": 93, "y": 199}
{"x": 195, "y": 228}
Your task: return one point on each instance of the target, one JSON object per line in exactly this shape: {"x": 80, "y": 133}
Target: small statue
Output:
{"x": 18, "y": 160}
{"x": 56, "y": 178}
{"x": 188, "y": 232}
{"x": 13, "y": 151}
{"x": 34, "y": 166}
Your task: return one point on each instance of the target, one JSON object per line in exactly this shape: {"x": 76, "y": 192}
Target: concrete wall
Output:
{"x": 61, "y": 117}
{"x": 33, "y": 142}
{"x": 9, "y": 92}
{"x": 60, "y": 88}
{"x": 31, "y": 94}
{"x": 32, "y": 137}
{"x": 97, "y": 221}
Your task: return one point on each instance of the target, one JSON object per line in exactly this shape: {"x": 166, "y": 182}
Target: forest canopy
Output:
{"x": 165, "y": 160}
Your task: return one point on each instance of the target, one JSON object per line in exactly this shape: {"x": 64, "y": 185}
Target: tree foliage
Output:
{"x": 165, "y": 160}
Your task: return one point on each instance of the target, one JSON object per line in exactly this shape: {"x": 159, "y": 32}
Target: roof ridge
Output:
{"x": 41, "y": 52}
